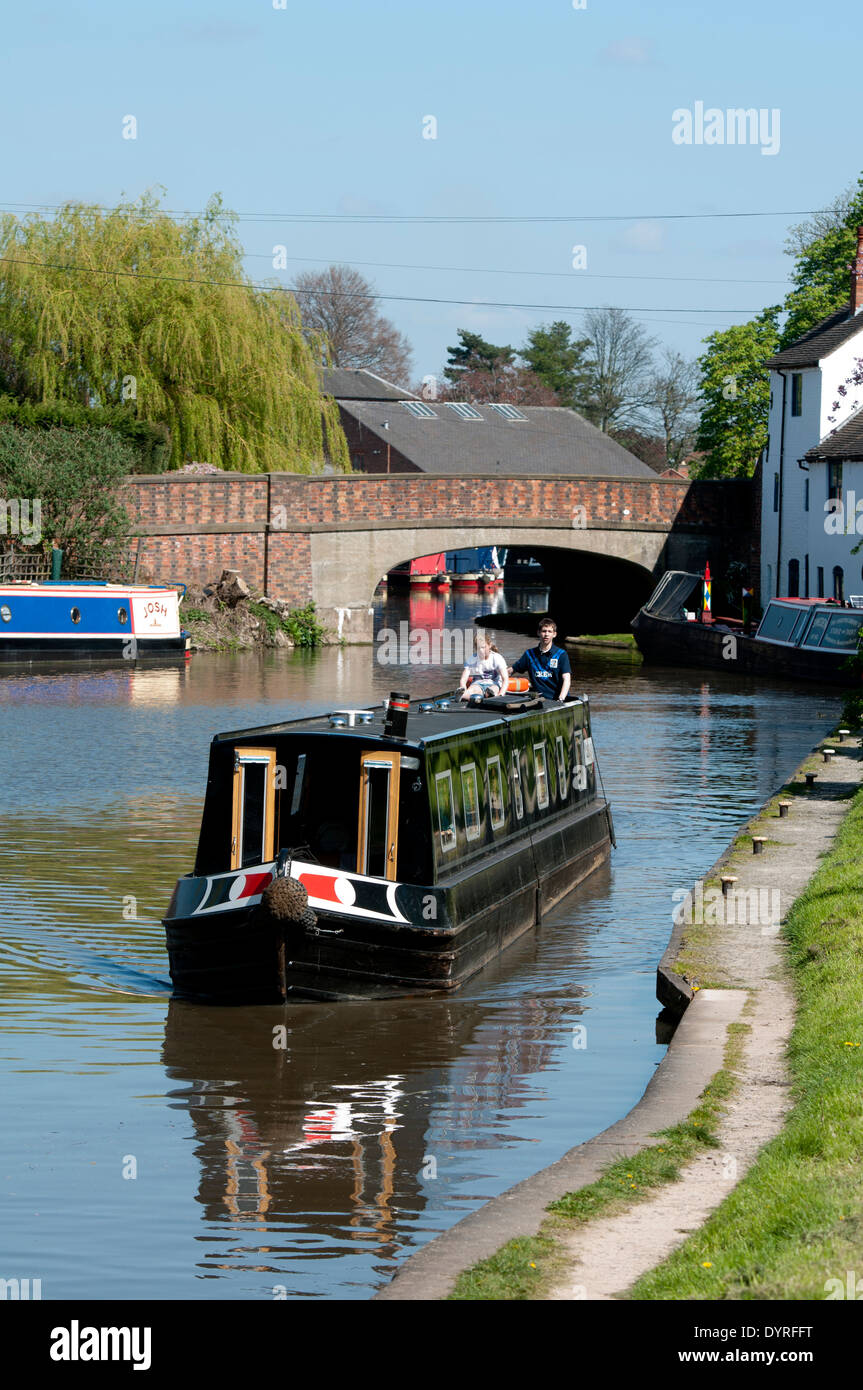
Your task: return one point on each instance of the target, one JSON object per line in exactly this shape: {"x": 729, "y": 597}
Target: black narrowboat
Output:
{"x": 377, "y": 852}
{"x": 800, "y": 639}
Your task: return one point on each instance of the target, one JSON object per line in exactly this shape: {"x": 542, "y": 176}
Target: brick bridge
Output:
{"x": 604, "y": 541}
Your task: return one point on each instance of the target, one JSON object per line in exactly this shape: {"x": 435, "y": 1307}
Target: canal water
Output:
{"x": 152, "y": 1149}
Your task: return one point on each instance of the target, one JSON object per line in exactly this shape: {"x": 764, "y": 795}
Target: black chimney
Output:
{"x": 396, "y": 721}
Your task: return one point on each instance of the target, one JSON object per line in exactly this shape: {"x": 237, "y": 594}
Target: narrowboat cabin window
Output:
{"x": 579, "y": 771}
{"x": 446, "y": 824}
{"x": 541, "y": 768}
{"x": 495, "y": 792}
{"x": 470, "y": 801}
{"x": 842, "y": 630}
{"x": 253, "y": 819}
{"x": 122, "y": 616}
{"x": 6, "y": 613}
{"x": 379, "y": 815}
{"x": 561, "y": 767}
{"x": 517, "y": 799}
{"x": 75, "y": 615}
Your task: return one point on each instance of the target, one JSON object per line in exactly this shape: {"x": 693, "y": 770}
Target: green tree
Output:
{"x": 735, "y": 393}
{"x": 559, "y": 361}
{"x": 824, "y": 248}
{"x": 131, "y": 306}
{"x": 473, "y": 353}
{"x": 76, "y": 477}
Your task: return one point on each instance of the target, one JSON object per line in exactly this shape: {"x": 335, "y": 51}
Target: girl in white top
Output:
{"x": 485, "y": 673}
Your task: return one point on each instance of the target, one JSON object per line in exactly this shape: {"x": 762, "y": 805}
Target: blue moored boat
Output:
{"x": 59, "y": 619}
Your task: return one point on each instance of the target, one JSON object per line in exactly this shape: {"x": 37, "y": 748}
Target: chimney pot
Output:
{"x": 857, "y": 276}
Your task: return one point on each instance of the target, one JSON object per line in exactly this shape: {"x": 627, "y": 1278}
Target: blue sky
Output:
{"x": 541, "y": 111}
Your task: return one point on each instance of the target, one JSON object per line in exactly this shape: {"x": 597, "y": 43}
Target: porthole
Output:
{"x": 122, "y": 616}
{"x": 6, "y": 614}
{"x": 76, "y": 615}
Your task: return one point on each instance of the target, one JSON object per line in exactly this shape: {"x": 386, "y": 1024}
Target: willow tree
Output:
{"x": 132, "y": 305}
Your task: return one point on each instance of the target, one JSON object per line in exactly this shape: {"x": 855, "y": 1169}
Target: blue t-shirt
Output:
{"x": 545, "y": 669}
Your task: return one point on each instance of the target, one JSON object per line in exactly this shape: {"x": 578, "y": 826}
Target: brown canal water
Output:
{"x": 153, "y": 1149}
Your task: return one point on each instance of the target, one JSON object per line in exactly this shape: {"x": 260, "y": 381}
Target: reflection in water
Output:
{"x": 317, "y": 1165}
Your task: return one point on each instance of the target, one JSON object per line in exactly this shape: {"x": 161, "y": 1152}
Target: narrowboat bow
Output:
{"x": 384, "y": 852}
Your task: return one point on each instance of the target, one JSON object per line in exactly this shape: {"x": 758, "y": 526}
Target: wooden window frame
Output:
{"x": 254, "y": 756}
{"x": 380, "y": 759}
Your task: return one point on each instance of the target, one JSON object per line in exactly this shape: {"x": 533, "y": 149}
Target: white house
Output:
{"x": 812, "y": 470}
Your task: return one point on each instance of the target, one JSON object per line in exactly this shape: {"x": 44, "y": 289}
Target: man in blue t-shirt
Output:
{"x": 547, "y": 666}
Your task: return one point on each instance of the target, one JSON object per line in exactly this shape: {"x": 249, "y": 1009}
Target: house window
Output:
{"x": 517, "y": 799}
{"x": 838, "y": 583}
{"x": 562, "y": 781}
{"x": 793, "y": 578}
{"x": 820, "y": 572}
{"x": 806, "y": 494}
{"x": 470, "y": 801}
{"x": 834, "y": 482}
{"x": 446, "y": 823}
{"x": 541, "y": 769}
{"x": 495, "y": 793}
{"x": 776, "y": 492}
{"x": 797, "y": 393}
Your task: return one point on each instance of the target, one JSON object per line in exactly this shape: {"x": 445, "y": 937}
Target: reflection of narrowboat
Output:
{"x": 797, "y": 638}
{"x": 337, "y": 857}
{"x": 60, "y": 619}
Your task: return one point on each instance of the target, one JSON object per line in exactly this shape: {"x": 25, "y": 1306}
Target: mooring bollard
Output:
{"x": 827, "y": 754}
{"x": 784, "y": 808}
{"x": 728, "y": 880}
{"x": 758, "y": 842}
{"x": 842, "y": 734}
{"x": 810, "y": 780}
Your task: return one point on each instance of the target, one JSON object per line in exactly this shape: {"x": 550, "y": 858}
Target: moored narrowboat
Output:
{"x": 349, "y": 855}
{"x": 59, "y": 619}
{"x": 804, "y": 639}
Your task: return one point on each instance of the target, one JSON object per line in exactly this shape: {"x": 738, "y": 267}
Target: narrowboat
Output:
{"x": 803, "y": 639}
{"x": 61, "y": 619}
{"x": 375, "y": 852}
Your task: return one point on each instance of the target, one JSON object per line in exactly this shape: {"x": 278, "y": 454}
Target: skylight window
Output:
{"x": 464, "y": 411}
{"x": 509, "y": 412}
{"x": 419, "y": 409}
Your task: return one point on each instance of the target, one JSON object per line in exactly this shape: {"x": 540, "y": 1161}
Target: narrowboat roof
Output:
{"x": 422, "y": 727}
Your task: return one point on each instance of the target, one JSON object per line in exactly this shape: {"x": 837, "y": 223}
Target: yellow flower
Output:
{"x": 706, "y": 1264}
{"x": 532, "y": 1265}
